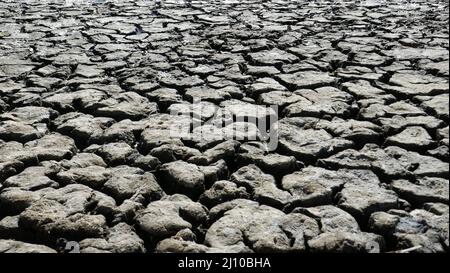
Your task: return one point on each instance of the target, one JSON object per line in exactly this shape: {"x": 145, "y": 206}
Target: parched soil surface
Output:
{"x": 88, "y": 155}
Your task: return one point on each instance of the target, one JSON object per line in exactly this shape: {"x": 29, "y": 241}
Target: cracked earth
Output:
{"x": 362, "y": 158}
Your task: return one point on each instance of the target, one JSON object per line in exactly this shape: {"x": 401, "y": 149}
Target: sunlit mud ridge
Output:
{"x": 358, "y": 161}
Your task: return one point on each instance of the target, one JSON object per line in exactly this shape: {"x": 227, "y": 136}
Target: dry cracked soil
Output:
{"x": 86, "y": 151}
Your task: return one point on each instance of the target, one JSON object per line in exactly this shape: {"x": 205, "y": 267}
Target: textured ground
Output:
{"x": 362, "y": 157}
